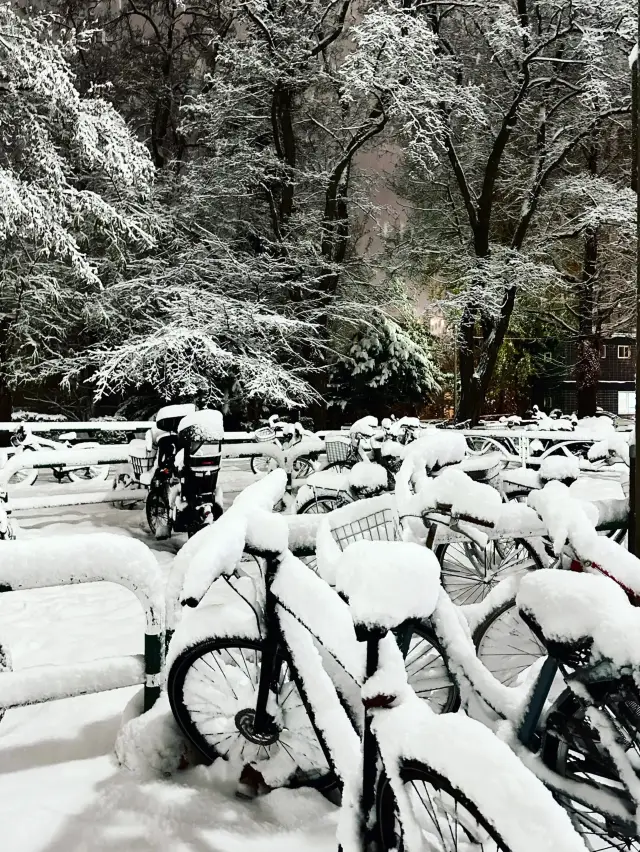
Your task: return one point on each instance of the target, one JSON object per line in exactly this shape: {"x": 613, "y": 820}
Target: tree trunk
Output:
{"x": 587, "y": 375}
{"x": 587, "y": 368}
{"x": 471, "y": 400}
{"x": 6, "y": 403}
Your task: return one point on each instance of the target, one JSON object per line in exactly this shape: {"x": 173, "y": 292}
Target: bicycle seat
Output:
{"x": 581, "y": 617}
{"x": 388, "y": 582}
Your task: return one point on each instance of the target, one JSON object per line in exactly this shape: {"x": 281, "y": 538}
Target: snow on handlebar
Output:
{"x": 217, "y": 549}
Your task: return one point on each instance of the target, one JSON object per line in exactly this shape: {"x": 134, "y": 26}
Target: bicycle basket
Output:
{"x": 338, "y": 449}
{"x": 377, "y": 526}
{"x": 140, "y": 458}
{"x": 266, "y": 433}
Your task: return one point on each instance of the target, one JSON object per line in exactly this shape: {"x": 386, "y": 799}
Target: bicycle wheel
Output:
{"x": 158, "y": 511}
{"x": 470, "y": 572}
{"x": 506, "y": 645}
{"x": 212, "y": 689}
{"x": 448, "y": 820}
{"x": 321, "y": 505}
{"x": 98, "y": 472}
{"x": 263, "y": 464}
{"x": 303, "y": 467}
{"x": 572, "y": 748}
{"x": 26, "y": 476}
{"x": 427, "y": 672}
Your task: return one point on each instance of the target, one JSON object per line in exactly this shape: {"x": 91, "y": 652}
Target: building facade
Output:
{"x": 556, "y": 387}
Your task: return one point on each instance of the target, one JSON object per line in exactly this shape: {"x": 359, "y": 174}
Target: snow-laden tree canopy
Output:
{"x": 71, "y": 174}
{"x": 536, "y": 86}
{"x": 257, "y": 283}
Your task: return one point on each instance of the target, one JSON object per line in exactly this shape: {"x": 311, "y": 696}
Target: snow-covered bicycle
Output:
{"x": 317, "y": 690}
{"x": 23, "y": 440}
{"x": 296, "y": 442}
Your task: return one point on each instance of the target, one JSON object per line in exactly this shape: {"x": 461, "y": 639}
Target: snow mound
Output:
{"x": 151, "y": 744}
{"x": 206, "y": 426}
{"x": 615, "y": 444}
{"x": 365, "y": 426}
{"x": 566, "y": 518}
{"x": 573, "y": 608}
{"x": 368, "y": 571}
{"x": 559, "y": 467}
{"x": 368, "y": 478}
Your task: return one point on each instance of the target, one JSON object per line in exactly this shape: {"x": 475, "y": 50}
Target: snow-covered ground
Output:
{"x": 61, "y": 789}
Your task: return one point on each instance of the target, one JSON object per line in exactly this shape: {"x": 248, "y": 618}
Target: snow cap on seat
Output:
{"x": 388, "y": 582}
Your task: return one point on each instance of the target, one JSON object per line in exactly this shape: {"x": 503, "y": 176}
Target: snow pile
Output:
{"x": 615, "y": 445}
{"x": 559, "y": 467}
{"x": 576, "y": 608}
{"x": 151, "y": 743}
{"x": 364, "y": 426}
{"x": 596, "y": 426}
{"x": 437, "y": 449}
{"x": 454, "y": 492}
{"x": 206, "y": 426}
{"x": 367, "y": 478}
{"x": 387, "y": 583}
{"x": 518, "y": 519}
{"x": 565, "y": 517}
{"x": 392, "y": 450}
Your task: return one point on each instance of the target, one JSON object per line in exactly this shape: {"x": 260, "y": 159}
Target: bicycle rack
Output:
{"x": 55, "y": 561}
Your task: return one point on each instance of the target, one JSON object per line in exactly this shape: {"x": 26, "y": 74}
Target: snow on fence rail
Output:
{"x": 37, "y": 459}
{"x": 526, "y": 447}
{"x": 63, "y": 561}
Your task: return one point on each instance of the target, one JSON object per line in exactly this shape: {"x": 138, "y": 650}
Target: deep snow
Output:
{"x": 61, "y": 789}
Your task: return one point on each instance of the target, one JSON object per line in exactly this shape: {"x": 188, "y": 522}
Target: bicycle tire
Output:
{"x": 320, "y": 505}
{"x": 157, "y": 501}
{"x": 468, "y": 575}
{"x": 571, "y": 748}
{"x": 262, "y": 464}
{"x": 212, "y": 688}
{"x": 427, "y": 672}
{"x": 505, "y": 627}
{"x": 414, "y": 773}
{"x": 303, "y": 467}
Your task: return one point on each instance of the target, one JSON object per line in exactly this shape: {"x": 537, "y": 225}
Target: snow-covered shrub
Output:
{"x": 386, "y": 366}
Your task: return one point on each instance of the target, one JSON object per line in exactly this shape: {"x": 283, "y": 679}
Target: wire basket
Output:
{"x": 265, "y": 433}
{"x": 378, "y": 526}
{"x": 141, "y": 459}
{"x": 338, "y": 450}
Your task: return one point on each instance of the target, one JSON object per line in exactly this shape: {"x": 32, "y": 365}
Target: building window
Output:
{"x": 603, "y": 351}
{"x": 624, "y": 352}
{"x": 626, "y": 402}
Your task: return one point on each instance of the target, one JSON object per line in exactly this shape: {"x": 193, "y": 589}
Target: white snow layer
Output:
{"x": 483, "y": 767}
{"x": 572, "y": 608}
{"x": 559, "y": 467}
{"x": 207, "y": 425}
{"x": 368, "y": 477}
{"x": 387, "y": 583}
